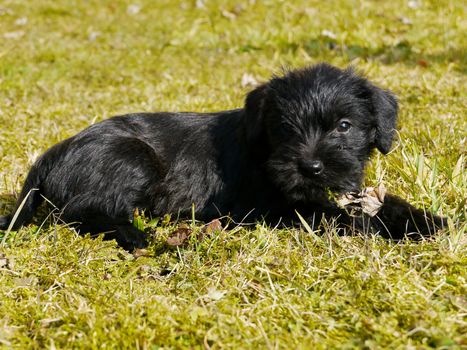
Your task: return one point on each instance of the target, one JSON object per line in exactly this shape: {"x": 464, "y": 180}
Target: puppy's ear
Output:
{"x": 254, "y": 112}
{"x": 385, "y": 110}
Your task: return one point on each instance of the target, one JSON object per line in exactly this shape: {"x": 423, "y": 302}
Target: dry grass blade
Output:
{"x": 15, "y": 216}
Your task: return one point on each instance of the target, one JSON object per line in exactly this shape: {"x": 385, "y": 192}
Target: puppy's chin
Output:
{"x": 296, "y": 186}
{"x": 310, "y": 192}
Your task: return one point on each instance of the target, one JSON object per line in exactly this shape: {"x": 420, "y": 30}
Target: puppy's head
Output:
{"x": 316, "y": 127}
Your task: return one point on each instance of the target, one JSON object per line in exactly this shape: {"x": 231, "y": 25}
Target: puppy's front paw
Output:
{"x": 130, "y": 238}
{"x": 398, "y": 219}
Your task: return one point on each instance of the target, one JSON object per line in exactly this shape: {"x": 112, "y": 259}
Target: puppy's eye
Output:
{"x": 344, "y": 126}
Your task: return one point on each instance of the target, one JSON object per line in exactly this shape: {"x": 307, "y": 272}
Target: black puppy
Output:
{"x": 299, "y": 138}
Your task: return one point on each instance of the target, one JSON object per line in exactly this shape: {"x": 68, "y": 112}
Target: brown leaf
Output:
{"x": 369, "y": 200}
{"x": 422, "y": 63}
{"x": 373, "y": 199}
{"x": 348, "y": 198}
{"x": 140, "y": 252}
{"x": 214, "y": 225}
{"x": 180, "y": 236}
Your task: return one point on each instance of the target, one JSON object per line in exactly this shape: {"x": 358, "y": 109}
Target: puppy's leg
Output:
{"x": 127, "y": 236}
{"x": 397, "y": 218}
{"x": 85, "y": 212}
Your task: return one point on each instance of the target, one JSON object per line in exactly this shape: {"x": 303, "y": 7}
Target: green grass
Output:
{"x": 67, "y": 64}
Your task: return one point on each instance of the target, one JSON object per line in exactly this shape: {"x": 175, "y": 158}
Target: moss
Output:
{"x": 65, "y": 65}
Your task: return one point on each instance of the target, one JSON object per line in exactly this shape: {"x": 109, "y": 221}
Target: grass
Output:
{"x": 67, "y": 64}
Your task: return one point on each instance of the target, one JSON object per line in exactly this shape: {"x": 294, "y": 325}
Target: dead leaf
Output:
{"x": 214, "y": 225}
{"x": 422, "y": 63}
{"x": 140, "y": 252}
{"x": 180, "y": 236}
{"x": 369, "y": 200}
{"x": 373, "y": 199}
{"x": 348, "y": 198}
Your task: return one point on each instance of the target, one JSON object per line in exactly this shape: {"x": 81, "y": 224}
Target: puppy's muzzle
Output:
{"x": 311, "y": 167}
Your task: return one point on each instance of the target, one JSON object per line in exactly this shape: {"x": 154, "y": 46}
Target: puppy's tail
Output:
{"x": 31, "y": 194}
{"x": 27, "y": 203}
{"x": 4, "y": 222}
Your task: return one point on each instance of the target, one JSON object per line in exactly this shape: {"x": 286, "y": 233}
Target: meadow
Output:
{"x": 67, "y": 64}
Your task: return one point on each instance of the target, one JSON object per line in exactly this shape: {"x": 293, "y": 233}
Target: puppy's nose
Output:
{"x": 312, "y": 168}
{"x": 316, "y": 167}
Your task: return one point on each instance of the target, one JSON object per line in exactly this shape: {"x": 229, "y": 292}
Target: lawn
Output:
{"x": 67, "y": 64}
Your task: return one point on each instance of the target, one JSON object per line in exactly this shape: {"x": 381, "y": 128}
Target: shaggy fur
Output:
{"x": 299, "y": 137}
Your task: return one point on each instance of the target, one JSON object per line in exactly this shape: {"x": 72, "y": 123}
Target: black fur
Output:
{"x": 283, "y": 152}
